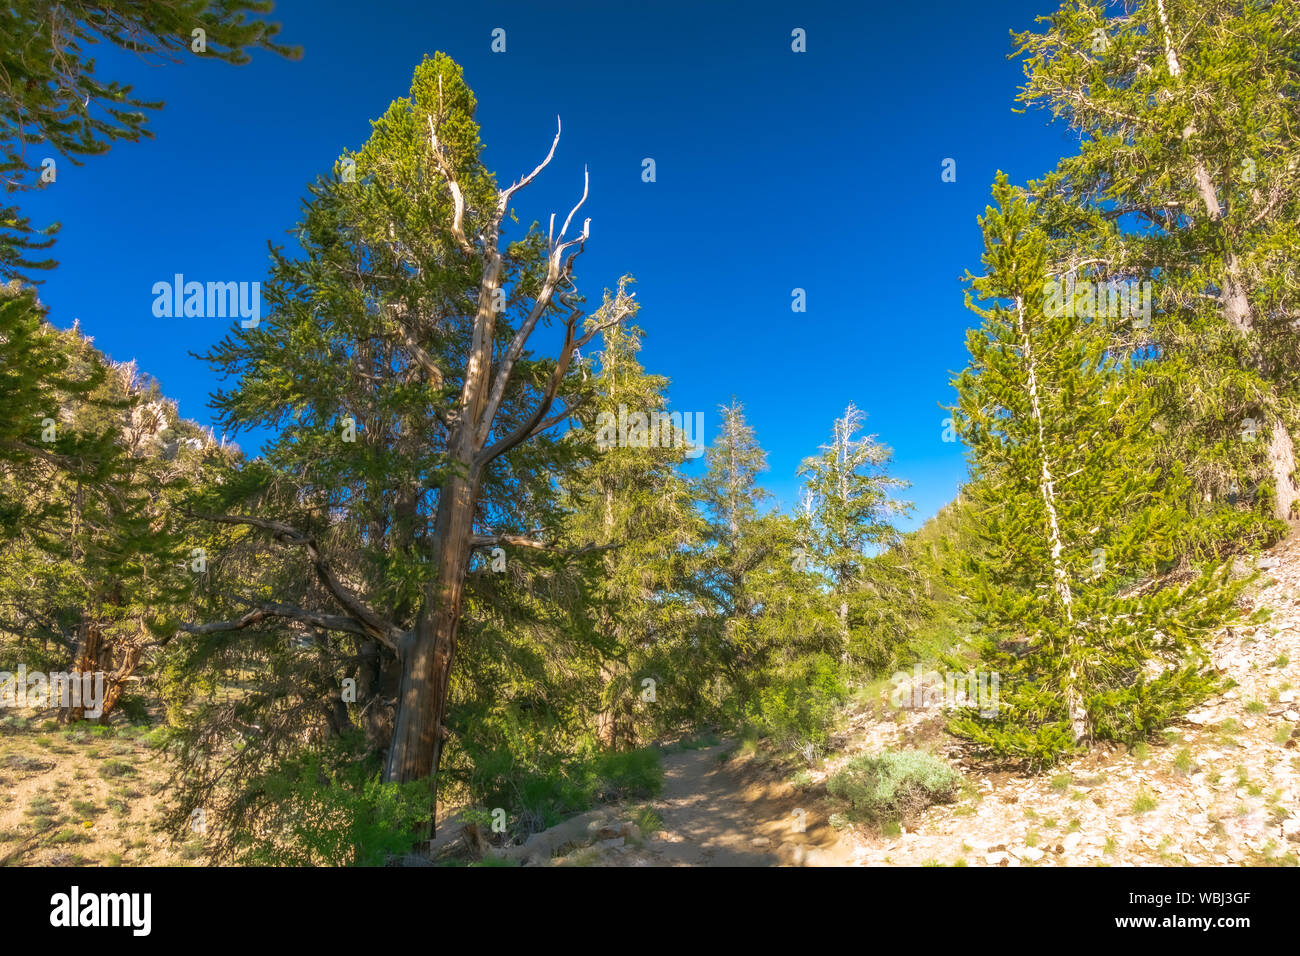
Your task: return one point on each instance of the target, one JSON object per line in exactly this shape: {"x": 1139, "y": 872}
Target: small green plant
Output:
{"x": 1061, "y": 782}
{"x": 116, "y": 768}
{"x": 1282, "y": 661}
{"x": 41, "y": 806}
{"x": 1183, "y": 760}
{"x": 647, "y": 819}
{"x": 1145, "y": 801}
{"x": 893, "y": 786}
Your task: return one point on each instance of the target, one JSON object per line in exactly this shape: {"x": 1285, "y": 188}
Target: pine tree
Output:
{"x": 731, "y": 498}
{"x": 848, "y": 521}
{"x": 53, "y": 96}
{"x": 90, "y": 564}
{"x": 413, "y": 423}
{"x": 1077, "y": 514}
{"x": 630, "y": 500}
{"x": 1185, "y": 110}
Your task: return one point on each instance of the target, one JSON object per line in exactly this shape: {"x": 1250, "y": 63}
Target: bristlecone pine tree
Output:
{"x": 91, "y": 574}
{"x": 1186, "y": 111}
{"x": 735, "y": 545}
{"x": 630, "y": 501}
{"x": 848, "y": 522}
{"x": 1076, "y": 513}
{"x": 414, "y": 421}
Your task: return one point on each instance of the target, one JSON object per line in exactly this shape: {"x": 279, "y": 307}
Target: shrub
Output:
{"x": 541, "y": 792}
{"x": 797, "y": 706}
{"x": 116, "y": 768}
{"x": 893, "y": 786}
{"x": 348, "y": 817}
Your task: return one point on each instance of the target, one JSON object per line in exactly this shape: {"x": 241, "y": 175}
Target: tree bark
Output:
{"x": 1236, "y": 309}
{"x": 1078, "y": 714}
{"x": 415, "y": 751}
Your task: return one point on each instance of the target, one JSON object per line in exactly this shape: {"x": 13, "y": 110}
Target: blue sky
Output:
{"x": 775, "y": 170}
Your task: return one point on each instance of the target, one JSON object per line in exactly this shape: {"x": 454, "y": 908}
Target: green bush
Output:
{"x": 894, "y": 786}
{"x": 540, "y": 792}
{"x": 797, "y": 706}
{"x": 134, "y": 707}
{"x": 347, "y": 818}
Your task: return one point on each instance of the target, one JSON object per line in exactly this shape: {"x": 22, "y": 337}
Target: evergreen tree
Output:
{"x": 630, "y": 501}
{"x": 92, "y": 564}
{"x": 1185, "y": 110}
{"x": 413, "y": 433}
{"x": 848, "y": 520}
{"x": 1077, "y": 516}
{"x": 731, "y": 498}
{"x": 53, "y": 96}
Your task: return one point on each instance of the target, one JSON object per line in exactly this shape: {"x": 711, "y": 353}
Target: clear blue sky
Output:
{"x": 775, "y": 170}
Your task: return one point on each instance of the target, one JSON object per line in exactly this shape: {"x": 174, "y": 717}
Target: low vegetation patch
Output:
{"x": 892, "y": 787}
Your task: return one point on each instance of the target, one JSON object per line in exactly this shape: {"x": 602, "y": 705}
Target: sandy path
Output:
{"x": 715, "y": 815}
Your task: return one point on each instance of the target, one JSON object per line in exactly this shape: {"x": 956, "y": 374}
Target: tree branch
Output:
{"x": 329, "y": 622}
{"x": 519, "y": 541}
{"x": 610, "y": 314}
{"x": 374, "y": 625}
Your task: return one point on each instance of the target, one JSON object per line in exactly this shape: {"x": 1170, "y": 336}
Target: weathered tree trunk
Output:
{"x": 95, "y": 655}
{"x": 90, "y": 646}
{"x": 428, "y": 652}
{"x": 1078, "y": 714}
{"x": 427, "y": 655}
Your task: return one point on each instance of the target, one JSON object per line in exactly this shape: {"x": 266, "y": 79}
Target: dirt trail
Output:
{"x": 717, "y": 813}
